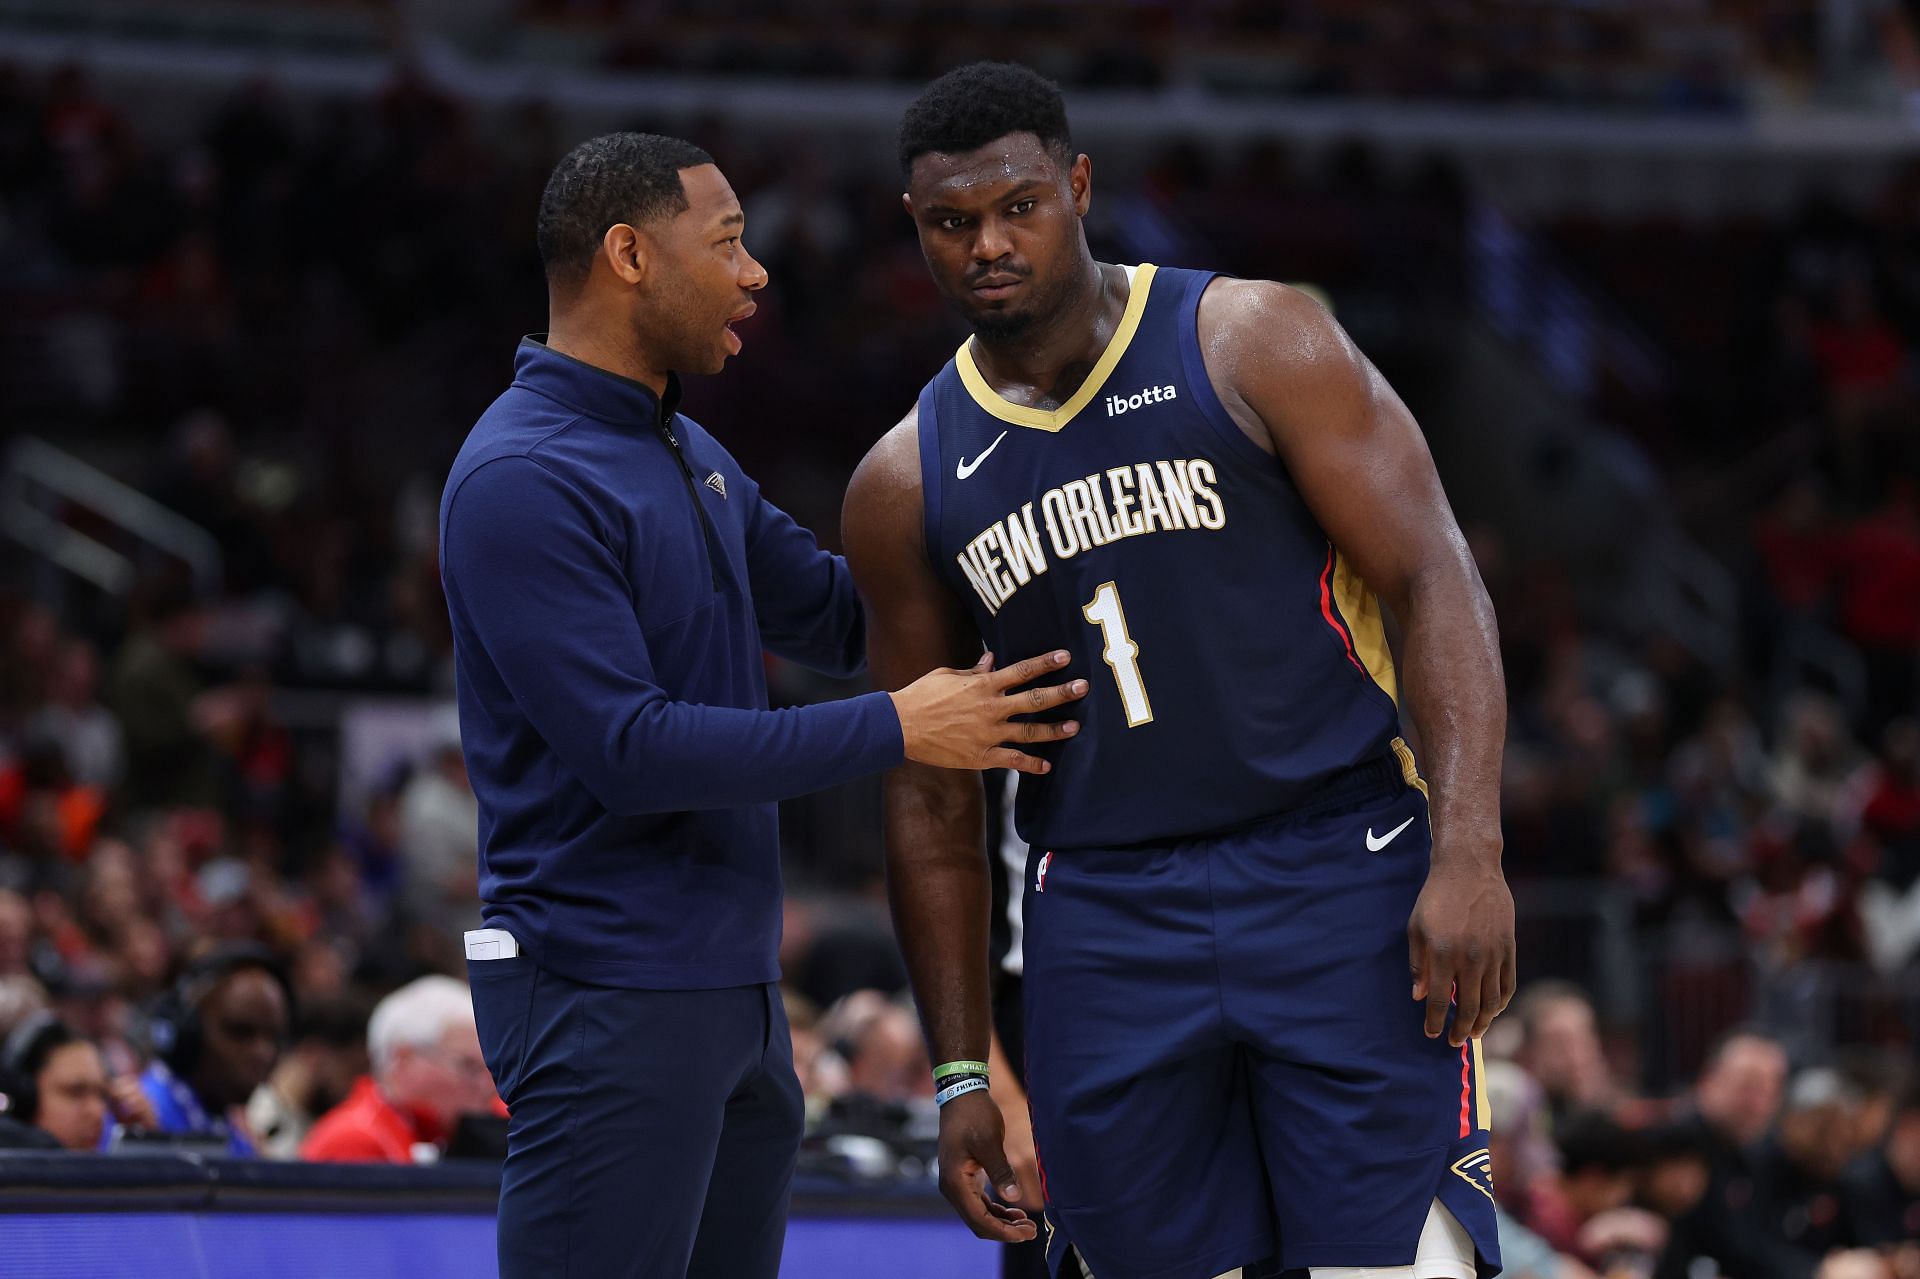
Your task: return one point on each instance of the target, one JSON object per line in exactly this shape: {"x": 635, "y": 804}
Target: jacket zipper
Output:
{"x": 693, "y": 495}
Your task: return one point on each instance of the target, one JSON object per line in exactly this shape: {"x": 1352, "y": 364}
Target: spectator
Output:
{"x": 1560, "y": 1048}
{"x": 328, "y": 1053}
{"x": 1890, "y": 822}
{"x": 886, "y": 1103}
{"x": 1799, "y": 1168}
{"x": 1674, "y": 1171}
{"x": 1740, "y": 1088}
{"x": 1883, "y": 1188}
{"x": 1522, "y": 1160}
{"x": 88, "y": 735}
{"x": 16, "y": 935}
{"x": 216, "y": 1038}
{"x": 889, "y": 1058}
{"x": 1815, "y": 761}
{"x": 439, "y": 820}
{"x": 152, "y": 691}
{"x": 1597, "y": 1162}
{"x": 1734, "y": 1104}
{"x": 57, "y": 1082}
{"x": 427, "y": 1073}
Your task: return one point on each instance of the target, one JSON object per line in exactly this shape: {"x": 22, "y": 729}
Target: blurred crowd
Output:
{"x": 281, "y": 331}
{"x": 1703, "y": 57}
{"x": 1756, "y": 1170}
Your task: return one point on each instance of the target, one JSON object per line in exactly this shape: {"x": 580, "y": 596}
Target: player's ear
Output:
{"x": 1080, "y": 182}
{"x": 626, "y": 252}
{"x": 906, "y": 202}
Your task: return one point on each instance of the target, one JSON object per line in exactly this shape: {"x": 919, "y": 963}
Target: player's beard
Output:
{"x": 1003, "y": 326}
{"x": 1042, "y": 307}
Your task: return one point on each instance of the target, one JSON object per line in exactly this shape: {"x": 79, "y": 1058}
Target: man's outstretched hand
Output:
{"x": 963, "y": 719}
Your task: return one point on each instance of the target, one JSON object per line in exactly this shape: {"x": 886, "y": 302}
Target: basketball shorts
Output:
{"x": 1224, "y": 1061}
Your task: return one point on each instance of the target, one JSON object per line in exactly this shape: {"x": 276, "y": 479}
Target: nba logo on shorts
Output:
{"x": 1040, "y": 873}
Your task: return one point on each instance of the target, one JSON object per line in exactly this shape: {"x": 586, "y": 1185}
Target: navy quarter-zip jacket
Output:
{"x": 613, "y": 578}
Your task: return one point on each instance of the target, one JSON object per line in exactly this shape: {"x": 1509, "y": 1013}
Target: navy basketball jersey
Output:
{"x": 1234, "y": 656}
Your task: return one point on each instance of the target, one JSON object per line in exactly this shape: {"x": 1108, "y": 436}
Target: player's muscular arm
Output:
{"x": 937, "y": 877}
{"x": 1301, "y": 389}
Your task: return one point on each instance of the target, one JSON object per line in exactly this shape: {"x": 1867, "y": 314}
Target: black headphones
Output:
{"x": 21, "y": 1060}
{"x": 175, "y": 1029}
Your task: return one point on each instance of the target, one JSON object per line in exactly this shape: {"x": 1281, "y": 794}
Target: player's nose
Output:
{"x": 991, "y": 242}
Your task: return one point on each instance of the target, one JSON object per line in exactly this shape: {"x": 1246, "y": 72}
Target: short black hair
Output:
{"x": 28, "y": 1049}
{"x": 972, "y": 105}
{"x": 332, "y": 1023}
{"x": 1589, "y": 1139}
{"x": 616, "y": 177}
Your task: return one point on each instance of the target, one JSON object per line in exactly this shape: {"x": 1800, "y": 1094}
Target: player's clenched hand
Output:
{"x": 963, "y": 719}
{"x": 1460, "y": 946}
{"x": 972, "y": 1163}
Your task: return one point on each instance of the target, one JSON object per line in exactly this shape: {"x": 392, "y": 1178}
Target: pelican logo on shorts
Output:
{"x": 718, "y": 483}
{"x": 1040, "y": 873}
{"x": 1477, "y": 1171}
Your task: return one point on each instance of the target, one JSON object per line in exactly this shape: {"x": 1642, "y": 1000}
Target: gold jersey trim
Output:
{"x": 1051, "y": 420}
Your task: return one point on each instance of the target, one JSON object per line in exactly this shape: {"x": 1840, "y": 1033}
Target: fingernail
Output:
{"x": 1070, "y": 728}
{"x": 1079, "y": 686}
{"x": 1045, "y": 767}
{"x": 1009, "y": 1192}
{"x": 1060, "y": 659}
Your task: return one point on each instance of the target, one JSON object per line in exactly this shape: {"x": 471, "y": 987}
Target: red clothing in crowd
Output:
{"x": 367, "y": 1128}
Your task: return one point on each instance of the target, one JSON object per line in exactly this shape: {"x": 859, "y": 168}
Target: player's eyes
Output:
{"x": 952, "y": 224}
{"x": 730, "y": 241}
{"x": 1022, "y": 207}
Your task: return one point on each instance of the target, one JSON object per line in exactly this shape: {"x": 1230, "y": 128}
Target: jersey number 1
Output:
{"x": 1120, "y": 652}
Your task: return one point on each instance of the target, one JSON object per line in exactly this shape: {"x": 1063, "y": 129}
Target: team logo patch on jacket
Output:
{"x": 718, "y": 483}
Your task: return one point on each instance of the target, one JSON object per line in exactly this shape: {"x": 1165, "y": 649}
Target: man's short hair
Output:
{"x": 416, "y": 1016}
{"x": 1590, "y": 1139}
{"x": 1744, "y": 1033}
{"x": 616, "y": 177}
{"x": 972, "y": 105}
{"x": 1533, "y": 1001}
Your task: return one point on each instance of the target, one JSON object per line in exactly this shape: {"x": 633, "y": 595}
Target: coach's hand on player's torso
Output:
{"x": 965, "y": 719}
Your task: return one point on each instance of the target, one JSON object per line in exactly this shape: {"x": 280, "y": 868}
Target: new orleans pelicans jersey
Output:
{"x": 1234, "y": 656}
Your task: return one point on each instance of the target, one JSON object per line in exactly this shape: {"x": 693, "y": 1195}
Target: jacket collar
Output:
{"x": 589, "y": 389}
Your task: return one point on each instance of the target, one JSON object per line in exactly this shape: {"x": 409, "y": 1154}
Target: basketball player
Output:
{"x": 1259, "y": 945}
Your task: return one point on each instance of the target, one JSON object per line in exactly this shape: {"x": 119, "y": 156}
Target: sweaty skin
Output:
{"x": 1301, "y": 391}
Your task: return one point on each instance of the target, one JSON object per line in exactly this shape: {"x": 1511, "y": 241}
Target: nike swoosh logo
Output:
{"x": 967, "y": 468}
{"x": 1375, "y": 845}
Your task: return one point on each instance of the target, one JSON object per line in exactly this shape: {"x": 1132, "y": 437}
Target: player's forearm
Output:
{"x": 938, "y": 886}
{"x": 1457, "y": 694}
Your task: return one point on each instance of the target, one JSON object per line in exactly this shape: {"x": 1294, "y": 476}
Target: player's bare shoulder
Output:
{"x": 1269, "y": 345}
{"x": 884, "y": 499}
{"x": 893, "y": 463}
{"x": 1249, "y": 326}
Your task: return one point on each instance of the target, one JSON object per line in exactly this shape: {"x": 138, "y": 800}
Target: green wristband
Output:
{"x": 959, "y": 1068}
